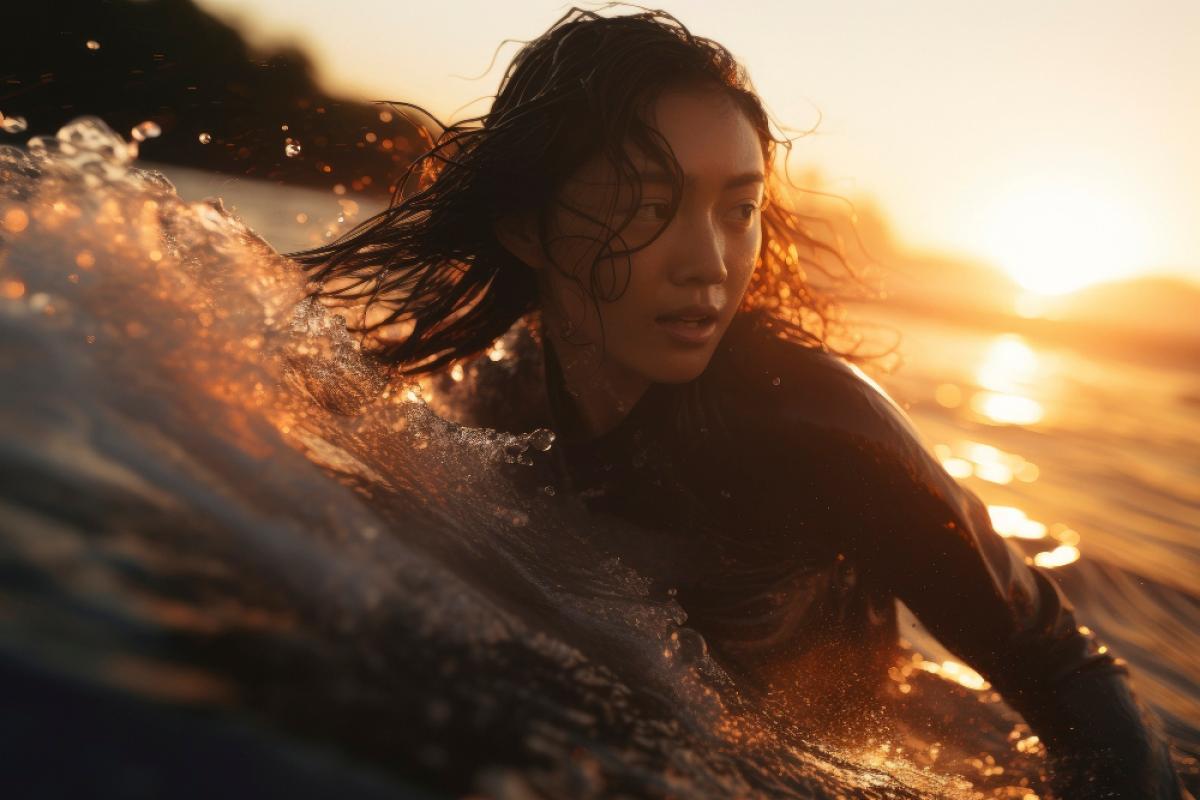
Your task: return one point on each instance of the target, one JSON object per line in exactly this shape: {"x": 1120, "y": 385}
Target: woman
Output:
{"x": 616, "y": 215}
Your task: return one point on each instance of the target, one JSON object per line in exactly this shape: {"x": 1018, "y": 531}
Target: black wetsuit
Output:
{"x": 791, "y": 502}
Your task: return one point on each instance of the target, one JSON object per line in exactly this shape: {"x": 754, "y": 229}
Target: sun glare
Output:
{"x": 1054, "y": 238}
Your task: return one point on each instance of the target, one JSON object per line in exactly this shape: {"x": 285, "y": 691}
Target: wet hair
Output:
{"x": 431, "y": 281}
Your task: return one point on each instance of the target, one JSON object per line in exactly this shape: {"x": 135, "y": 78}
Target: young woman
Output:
{"x": 617, "y": 216}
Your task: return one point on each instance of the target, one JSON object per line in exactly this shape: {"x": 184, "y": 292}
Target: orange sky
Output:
{"x": 1056, "y": 140}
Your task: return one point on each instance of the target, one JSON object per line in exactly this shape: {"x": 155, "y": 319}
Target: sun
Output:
{"x": 1055, "y": 237}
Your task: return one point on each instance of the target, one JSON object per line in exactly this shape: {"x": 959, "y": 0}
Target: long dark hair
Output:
{"x": 430, "y": 272}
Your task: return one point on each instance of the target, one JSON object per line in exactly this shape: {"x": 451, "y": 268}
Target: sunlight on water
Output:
{"x": 1011, "y": 521}
{"x": 966, "y": 458}
{"x": 1009, "y": 365}
{"x": 1058, "y": 557}
{"x": 1009, "y": 371}
{"x": 1007, "y": 409}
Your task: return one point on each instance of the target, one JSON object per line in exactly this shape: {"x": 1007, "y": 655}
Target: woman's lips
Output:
{"x": 688, "y": 332}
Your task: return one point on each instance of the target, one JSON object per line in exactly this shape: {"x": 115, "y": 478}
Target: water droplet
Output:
{"x": 291, "y": 149}
{"x": 146, "y": 130}
{"x": 512, "y": 450}
{"x": 205, "y": 138}
{"x": 283, "y": 127}
{"x": 92, "y": 44}
{"x": 86, "y": 134}
{"x": 13, "y": 124}
{"x": 688, "y": 645}
{"x": 14, "y": 220}
{"x": 548, "y": 490}
{"x": 775, "y": 381}
{"x": 541, "y": 439}
{"x": 12, "y": 289}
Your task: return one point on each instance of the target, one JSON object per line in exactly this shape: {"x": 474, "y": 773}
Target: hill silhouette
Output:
{"x": 169, "y": 62}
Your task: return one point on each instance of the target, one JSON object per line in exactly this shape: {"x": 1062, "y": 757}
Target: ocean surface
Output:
{"x": 235, "y": 559}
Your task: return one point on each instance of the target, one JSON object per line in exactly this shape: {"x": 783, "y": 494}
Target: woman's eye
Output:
{"x": 660, "y": 211}
{"x": 655, "y": 211}
{"x": 745, "y": 212}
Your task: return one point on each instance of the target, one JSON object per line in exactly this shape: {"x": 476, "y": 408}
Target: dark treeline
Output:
{"x": 169, "y": 62}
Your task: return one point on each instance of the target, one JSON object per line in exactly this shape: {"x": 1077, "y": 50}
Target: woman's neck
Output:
{"x": 601, "y": 392}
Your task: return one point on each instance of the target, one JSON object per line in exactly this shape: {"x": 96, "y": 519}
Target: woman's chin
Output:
{"x": 681, "y": 368}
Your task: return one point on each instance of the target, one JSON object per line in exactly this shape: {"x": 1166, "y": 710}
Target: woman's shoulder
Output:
{"x": 811, "y": 421}
{"x": 779, "y": 382}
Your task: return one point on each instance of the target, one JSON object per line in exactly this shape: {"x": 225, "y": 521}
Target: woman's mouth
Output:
{"x": 688, "y": 329}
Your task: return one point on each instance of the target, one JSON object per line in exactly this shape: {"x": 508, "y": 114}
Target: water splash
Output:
{"x": 13, "y": 124}
{"x": 265, "y": 520}
{"x": 145, "y": 130}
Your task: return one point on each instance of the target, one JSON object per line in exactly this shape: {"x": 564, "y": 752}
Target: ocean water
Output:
{"x": 235, "y": 558}
{"x": 1093, "y": 465}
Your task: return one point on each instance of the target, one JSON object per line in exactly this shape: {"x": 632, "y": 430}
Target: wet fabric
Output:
{"x": 786, "y": 502}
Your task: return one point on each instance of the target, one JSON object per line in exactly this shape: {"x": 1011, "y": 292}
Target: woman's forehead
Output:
{"x": 717, "y": 170}
{"x": 711, "y": 137}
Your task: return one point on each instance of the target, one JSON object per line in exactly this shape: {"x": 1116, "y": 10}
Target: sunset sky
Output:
{"x": 1057, "y": 140}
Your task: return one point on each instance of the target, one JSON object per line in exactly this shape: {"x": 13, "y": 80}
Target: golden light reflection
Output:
{"x": 1008, "y": 371}
{"x": 1010, "y": 521}
{"x": 496, "y": 352}
{"x": 1028, "y": 472}
{"x": 994, "y": 473}
{"x": 985, "y": 462}
{"x": 1009, "y": 365}
{"x": 948, "y": 395}
{"x": 958, "y": 467}
{"x": 1007, "y": 409}
{"x": 1063, "y": 534}
{"x": 1058, "y": 557}
{"x": 958, "y": 673}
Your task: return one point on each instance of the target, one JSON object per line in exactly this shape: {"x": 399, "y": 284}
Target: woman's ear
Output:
{"x": 517, "y": 234}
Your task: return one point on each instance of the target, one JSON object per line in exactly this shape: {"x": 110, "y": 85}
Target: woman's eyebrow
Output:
{"x": 734, "y": 181}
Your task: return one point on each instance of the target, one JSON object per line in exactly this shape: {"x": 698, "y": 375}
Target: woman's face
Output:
{"x": 699, "y": 267}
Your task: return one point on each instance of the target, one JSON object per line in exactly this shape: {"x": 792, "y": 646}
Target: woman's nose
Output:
{"x": 702, "y": 259}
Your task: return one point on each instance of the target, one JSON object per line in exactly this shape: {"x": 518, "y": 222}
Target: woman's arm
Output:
{"x": 1021, "y": 633}
{"x": 930, "y": 541}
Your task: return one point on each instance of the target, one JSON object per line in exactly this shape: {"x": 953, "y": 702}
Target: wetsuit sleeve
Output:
{"x": 928, "y": 540}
